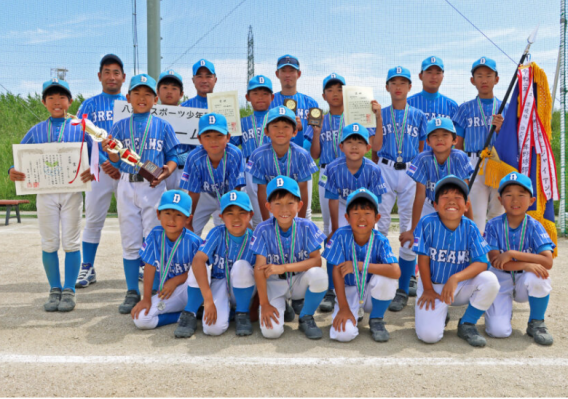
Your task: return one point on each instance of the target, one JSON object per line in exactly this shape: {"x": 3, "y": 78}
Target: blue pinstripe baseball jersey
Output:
{"x": 215, "y": 248}
{"x": 339, "y": 249}
{"x": 195, "y": 177}
{"x": 263, "y": 169}
{"x": 40, "y": 133}
{"x": 449, "y": 251}
{"x": 249, "y": 138}
{"x": 434, "y": 105}
{"x": 161, "y": 143}
{"x": 423, "y": 169}
{"x": 195, "y": 102}
{"x": 341, "y": 182}
{"x": 536, "y": 238}
{"x": 471, "y": 126}
{"x": 152, "y": 248}
{"x": 304, "y": 103}
{"x": 308, "y": 239}
{"x": 100, "y": 110}
{"x": 415, "y": 132}
{"x": 329, "y": 133}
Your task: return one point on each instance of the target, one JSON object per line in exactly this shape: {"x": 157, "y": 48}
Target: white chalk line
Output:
{"x": 216, "y": 361}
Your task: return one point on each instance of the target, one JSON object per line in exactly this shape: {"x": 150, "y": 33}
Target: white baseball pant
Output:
{"x": 175, "y": 303}
{"x": 378, "y": 287}
{"x": 498, "y": 316}
{"x": 252, "y": 190}
{"x": 172, "y": 182}
{"x": 484, "y": 199}
{"x": 324, "y": 204}
{"x": 137, "y": 204}
{"x": 55, "y": 210}
{"x": 242, "y": 276}
{"x": 207, "y": 206}
{"x": 278, "y": 292}
{"x": 97, "y": 202}
{"x": 480, "y": 291}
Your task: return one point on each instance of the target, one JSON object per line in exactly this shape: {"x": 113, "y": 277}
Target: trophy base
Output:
{"x": 150, "y": 171}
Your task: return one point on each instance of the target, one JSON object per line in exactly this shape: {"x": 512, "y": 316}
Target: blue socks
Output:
{"x": 330, "y": 276}
{"x": 168, "y": 318}
{"x": 311, "y": 302}
{"x": 131, "y": 267}
{"x": 72, "y": 268}
{"x": 379, "y": 308}
{"x": 51, "y": 265}
{"x": 89, "y": 252}
{"x": 194, "y": 300}
{"x": 538, "y": 307}
{"x": 243, "y": 297}
{"x": 407, "y": 269}
{"x": 471, "y": 315}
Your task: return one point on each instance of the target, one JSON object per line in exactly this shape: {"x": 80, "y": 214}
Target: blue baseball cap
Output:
{"x": 281, "y": 112}
{"x": 355, "y": 129}
{"x": 398, "y": 71}
{"x": 176, "y": 199}
{"x": 238, "y": 198}
{"x": 142, "y": 80}
{"x": 203, "y": 63}
{"x": 288, "y": 60}
{"x": 170, "y": 73}
{"x": 486, "y": 62}
{"x": 216, "y": 122}
{"x": 112, "y": 58}
{"x": 259, "y": 81}
{"x": 333, "y": 78}
{"x": 363, "y": 193}
{"x": 432, "y": 61}
{"x": 516, "y": 178}
{"x": 452, "y": 179}
{"x": 56, "y": 83}
{"x": 283, "y": 183}
{"x": 440, "y": 123}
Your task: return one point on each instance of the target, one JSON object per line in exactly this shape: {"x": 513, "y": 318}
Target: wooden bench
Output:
{"x": 9, "y": 204}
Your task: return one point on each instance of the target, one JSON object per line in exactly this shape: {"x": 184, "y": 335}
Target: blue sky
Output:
{"x": 360, "y": 40}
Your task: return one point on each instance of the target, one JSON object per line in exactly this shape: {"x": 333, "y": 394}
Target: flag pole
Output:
{"x": 530, "y": 40}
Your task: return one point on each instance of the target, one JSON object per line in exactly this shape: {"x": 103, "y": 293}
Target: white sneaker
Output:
{"x": 87, "y": 276}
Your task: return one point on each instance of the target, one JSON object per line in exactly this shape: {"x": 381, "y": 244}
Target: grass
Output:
{"x": 19, "y": 114}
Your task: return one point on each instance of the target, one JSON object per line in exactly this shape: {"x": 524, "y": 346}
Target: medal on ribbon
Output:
{"x": 239, "y": 255}
{"x": 521, "y": 242}
{"x": 165, "y": 268}
{"x": 288, "y": 162}
{"x": 361, "y": 279}
{"x": 61, "y": 130}
{"x": 256, "y": 138}
{"x": 212, "y": 176}
{"x": 281, "y": 249}
{"x": 399, "y": 137}
{"x": 144, "y": 137}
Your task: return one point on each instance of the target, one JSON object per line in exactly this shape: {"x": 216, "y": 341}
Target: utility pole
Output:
{"x": 250, "y": 58}
{"x": 154, "y": 38}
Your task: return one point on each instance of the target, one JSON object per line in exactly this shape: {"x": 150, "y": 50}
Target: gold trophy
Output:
{"x": 148, "y": 170}
{"x": 315, "y": 117}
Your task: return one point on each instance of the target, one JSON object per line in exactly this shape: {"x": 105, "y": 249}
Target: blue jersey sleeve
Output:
{"x": 491, "y": 236}
{"x": 418, "y": 171}
{"x": 315, "y": 237}
{"x": 422, "y": 238}
{"x": 334, "y": 251}
{"x": 464, "y": 169}
{"x": 191, "y": 178}
{"x": 477, "y": 245}
{"x": 540, "y": 240}
{"x": 236, "y": 140}
{"x": 423, "y": 127}
{"x": 239, "y": 174}
{"x": 29, "y": 137}
{"x": 255, "y": 167}
{"x": 307, "y": 167}
{"x": 258, "y": 244}
{"x": 150, "y": 251}
{"x": 386, "y": 256}
{"x": 459, "y": 120}
{"x": 211, "y": 243}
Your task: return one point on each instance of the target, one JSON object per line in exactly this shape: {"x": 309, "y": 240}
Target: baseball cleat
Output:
{"x": 399, "y": 302}
{"x": 243, "y": 324}
{"x": 67, "y": 302}
{"x": 53, "y": 301}
{"x": 538, "y": 330}
{"x": 309, "y": 327}
{"x": 378, "y": 330}
{"x": 328, "y": 302}
{"x": 187, "y": 325}
{"x": 468, "y": 332}
{"x": 87, "y": 276}
{"x": 413, "y": 285}
{"x": 130, "y": 300}
{"x": 289, "y": 314}
{"x": 297, "y": 305}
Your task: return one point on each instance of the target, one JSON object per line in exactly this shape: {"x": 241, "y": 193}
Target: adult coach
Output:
{"x": 97, "y": 201}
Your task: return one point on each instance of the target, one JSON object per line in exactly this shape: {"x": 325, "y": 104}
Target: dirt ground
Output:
{"x": 95, "y": 351}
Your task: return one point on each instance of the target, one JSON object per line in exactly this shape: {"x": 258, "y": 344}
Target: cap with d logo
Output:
{"x": 203, "y": 63}
{"x": 177, "y": 200}
{"x": 283, "y": 183}
{"x": 216, "y": 122}
{"x": 259, "y": 81}
{"x": 56, "y": 83}
{"x": 170, "y": 73}
{"x": 238, "y": 198}
{"x": 281, "y": 112}
{"x": 432, "y": 61}
{"x": 486, "y": 62}
{"x": 518, "y": 179}
{"x": 362, "y": 193}
{"x": 398, "y": 71}
{"x": 333, "y": 78}
{"x": 355, "y": 129}
{"x": 440, "y": 123}
{"x": 142, "y": 80}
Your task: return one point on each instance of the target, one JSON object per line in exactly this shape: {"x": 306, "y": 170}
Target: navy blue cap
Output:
{"x": 56, "y": 83}
{"x": 142, "y": 80}
{"x": 203, "y": 63}
{"x": 440, "y": 123}
{"x": 283, "y": 183}
{"x": 112, "y": 58}
{"x": 362, "y": 193}
{"x": 452, "y": 179}
{"x": 238, "y": 198}
{"x": 170, "y": 73}
{"x": 355, "y": 129}
{"x": 213, "y": 121}
{"x": 333, "y": 78}
{"x": 432, "y": 61}
{"x": 259, "y": 81}
{"x": 486, "y": 62}
{"x": 288, "y": 60}
{"x": 281, "y": 112}
{"x": 516, "y": 178}
{"x": 398, "y": 71}
{"x": 176, "y": 199}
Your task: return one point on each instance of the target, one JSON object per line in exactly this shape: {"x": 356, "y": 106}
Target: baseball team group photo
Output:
{"x": 257, "y": 224}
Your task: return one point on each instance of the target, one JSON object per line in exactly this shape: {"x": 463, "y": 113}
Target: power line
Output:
{"x": 206, "y": 33}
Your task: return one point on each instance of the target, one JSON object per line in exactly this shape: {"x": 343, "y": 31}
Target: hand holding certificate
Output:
{"x": 357, "y": 106}
{"x": 226, "y": 104}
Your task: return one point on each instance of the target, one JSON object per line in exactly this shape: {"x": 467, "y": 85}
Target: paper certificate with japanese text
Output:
{"x": 184, "y": 120}
{"x": 227, "y": 104}
{"x": 357, "y": 106}
{"x": 49, "y": 168}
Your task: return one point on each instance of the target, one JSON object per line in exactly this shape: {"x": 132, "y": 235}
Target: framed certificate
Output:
{"x": 357, "y": 106}
{"x": 227, "y": 104}
{"x": 50, "y": 167}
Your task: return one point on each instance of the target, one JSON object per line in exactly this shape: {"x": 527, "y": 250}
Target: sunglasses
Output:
{"x": 288, "y": 61}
